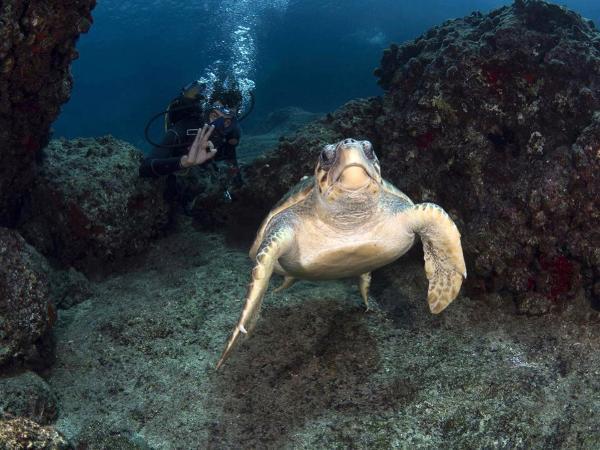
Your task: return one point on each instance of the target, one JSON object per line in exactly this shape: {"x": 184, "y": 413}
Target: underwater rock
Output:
{"x": 26, "y": 311}
{"x": 37, "y": 45}
{"x": 68, "y": 287}
{"x": 495, "y": 118}
{"x": 28, "y": 395}
{"x": 89, "y": 206}
{"x": 18, "y": 433}
{"x": 202, "y": 186}
{"x": 585, "y": 193}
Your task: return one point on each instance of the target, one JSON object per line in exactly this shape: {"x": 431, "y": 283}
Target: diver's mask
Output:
{"x": 225, "y": 119}
{"x": 223, "y": 111}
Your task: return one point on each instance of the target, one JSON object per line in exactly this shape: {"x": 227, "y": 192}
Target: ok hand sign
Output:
{"x": 201, "y": 150}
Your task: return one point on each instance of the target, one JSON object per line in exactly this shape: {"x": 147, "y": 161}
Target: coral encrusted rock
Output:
{"x": 494, "y": 117}
{"x": 17, "y": 433}
{"x": 26, "y": 311}
{"x": 89, "y": 206}
{"x": 37, "y": 45}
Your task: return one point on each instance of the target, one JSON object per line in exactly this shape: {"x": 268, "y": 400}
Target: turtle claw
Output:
{"x": 231, "y": 343}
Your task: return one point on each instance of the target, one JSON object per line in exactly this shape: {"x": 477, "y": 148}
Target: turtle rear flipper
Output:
{"x": 444, "y": 261}
{"x": 269, "y": 251}
{"x": 364, "y": 284}
{"x": 288, "y": 281}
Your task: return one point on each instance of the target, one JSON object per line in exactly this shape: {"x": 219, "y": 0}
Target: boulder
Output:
{"x": 495, "y": 118}
{"x": 28, "y": 395}
{"x": 26, "y": 311}
{"x": 89, "y": 206}
{"x": 68, "y": 287}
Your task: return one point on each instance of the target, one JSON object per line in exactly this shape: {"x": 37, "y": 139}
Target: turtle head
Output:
{"x": 349, "y": 167}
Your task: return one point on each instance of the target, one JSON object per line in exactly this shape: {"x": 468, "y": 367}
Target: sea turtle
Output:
{"x": 346, "y": 221}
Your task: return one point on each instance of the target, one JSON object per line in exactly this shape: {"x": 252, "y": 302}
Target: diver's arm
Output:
{"x": 161, "y": 161}
{"x": 157, "y": 167}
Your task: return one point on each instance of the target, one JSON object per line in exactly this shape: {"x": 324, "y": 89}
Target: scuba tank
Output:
{"x": 188, "y": 104}
{"x": 181, "y": 108}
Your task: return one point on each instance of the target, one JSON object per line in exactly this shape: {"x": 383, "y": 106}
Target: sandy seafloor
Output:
{"x": 135, "y": 363}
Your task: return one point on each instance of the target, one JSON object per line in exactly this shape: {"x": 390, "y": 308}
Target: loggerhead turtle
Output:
{"x": 346, "y": 221}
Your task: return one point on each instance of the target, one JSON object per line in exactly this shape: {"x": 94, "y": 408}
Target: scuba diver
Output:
{"x": 198, "y": 151}
{"x": 184, "y": 120}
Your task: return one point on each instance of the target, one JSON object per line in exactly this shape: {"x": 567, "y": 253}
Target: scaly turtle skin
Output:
{"x": 347, "y": 221}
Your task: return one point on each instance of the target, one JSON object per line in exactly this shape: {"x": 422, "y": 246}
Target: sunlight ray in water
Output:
{"x": 238, "y": 46}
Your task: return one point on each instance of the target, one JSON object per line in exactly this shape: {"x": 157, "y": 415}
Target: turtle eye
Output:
{"x": 328, "y": 154}
{"x": 368, "y": 149}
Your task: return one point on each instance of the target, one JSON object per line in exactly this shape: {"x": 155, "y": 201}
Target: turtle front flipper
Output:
{"x": 272, "y": 247}
{"x": 444, "y": 261}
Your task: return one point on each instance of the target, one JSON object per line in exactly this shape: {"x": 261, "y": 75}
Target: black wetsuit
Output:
{"x": 165, "y": 161}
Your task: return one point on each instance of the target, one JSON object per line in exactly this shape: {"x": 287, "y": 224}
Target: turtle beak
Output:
{"x": 352, "y": 170}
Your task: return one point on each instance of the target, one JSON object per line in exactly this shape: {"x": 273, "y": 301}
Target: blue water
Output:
{"x": 306, "y": 53}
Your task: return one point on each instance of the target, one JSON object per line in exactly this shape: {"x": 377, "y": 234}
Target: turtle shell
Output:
{"x": 391, "y": 189}
{"x": 295, "y": 195}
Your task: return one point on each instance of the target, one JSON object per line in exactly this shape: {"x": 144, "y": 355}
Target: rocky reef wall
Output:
{"x": 37, "y": 46}
{"x": 496, "y": 118}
